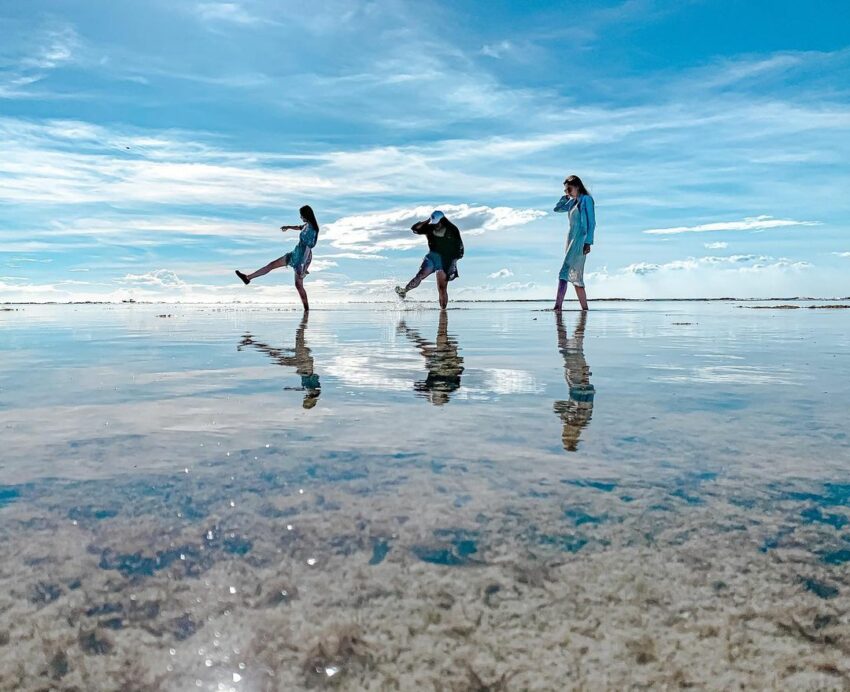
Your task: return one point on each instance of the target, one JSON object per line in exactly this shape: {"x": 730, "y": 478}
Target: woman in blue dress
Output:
{"x": 578, "y": 204}
{"x": 300, "y": 257}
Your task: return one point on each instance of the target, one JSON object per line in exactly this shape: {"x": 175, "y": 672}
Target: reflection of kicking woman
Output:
{"x": 445, "y": 248}
{"x": 300, "y": 257}
{"x": 576, "y": 412}
{"x": 300, "y": 358}
{"x": 444, "y": 364}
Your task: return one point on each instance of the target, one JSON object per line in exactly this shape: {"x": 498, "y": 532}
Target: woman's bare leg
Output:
{"x": 277, "y": 264}
{"x": 581, "y": 294}
{"x": 443, "y": 288}
{"x": 299, "y": 286}
{"x": 423, "y": 273}
{"x": 559, "y": 298}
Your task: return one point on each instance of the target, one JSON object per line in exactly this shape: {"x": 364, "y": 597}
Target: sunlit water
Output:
{"x": 239, "y": 498}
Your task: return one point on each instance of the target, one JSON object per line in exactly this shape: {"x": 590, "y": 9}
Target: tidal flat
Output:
{"x": 648, "y": 496}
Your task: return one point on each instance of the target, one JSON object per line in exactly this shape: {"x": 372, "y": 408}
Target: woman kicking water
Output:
{"x": 445, "y": 248}
{"x": 578, "y": 204}
{"x": 300, "y": 257}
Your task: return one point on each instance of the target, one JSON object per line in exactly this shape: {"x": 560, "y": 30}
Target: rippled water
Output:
{"x": 240, "y": 498}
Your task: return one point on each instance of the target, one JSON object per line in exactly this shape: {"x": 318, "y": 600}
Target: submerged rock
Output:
{"x": 58, "y": 665}
{"x": 820, "y": 588}
{"x": 95, "y": 643}
{"x": 182, "y": 627}
{"x": 44, "y": 592}
{"x": 380, "y": 549}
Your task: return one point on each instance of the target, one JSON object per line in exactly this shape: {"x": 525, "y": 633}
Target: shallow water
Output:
{"x": 237, "y": 498}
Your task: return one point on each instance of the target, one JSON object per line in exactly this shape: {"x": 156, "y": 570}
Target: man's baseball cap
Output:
{"x": 436, "y": 217}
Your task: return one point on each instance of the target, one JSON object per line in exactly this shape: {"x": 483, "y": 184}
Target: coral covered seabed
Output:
{"x": 353, "y": 575}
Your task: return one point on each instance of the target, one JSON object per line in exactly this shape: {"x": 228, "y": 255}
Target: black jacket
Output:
{"x": 449, "y": 246}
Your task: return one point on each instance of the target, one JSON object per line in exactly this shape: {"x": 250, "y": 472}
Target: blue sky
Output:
{"x": 148, "y": 149}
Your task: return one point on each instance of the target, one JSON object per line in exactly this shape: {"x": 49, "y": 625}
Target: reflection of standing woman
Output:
{"x": 578, "y": 204}
{"x": 300, "y": 257}
{"x": 576, "y": 412}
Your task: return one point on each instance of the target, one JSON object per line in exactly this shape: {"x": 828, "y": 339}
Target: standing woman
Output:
{"x": 300, "y": 257}
{"x": 578, "y": 204}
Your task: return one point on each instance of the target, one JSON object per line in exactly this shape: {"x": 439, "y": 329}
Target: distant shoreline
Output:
{"x": 797, "y": 299}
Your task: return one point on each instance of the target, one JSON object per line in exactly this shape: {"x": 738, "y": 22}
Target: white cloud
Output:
{"x": 496, "y": 50}
{"x": 162, "y": 278}
{"x": 716, "y": 246}
{"x": 225, "y": 12}
{"x": 353, "y": 256}
{"x": 512, "y": 290}
{"x": 390, "y": 230}
{"x": 728, "y": 72}
{"x": 44, "y": 50}
{"x": 735, "y": 262}
{"x": 641, "y": 268}
{"x": 54, "y": 47}
{"x": 318, "y": 265}
{"x": 754, "y": 223}
{"x": 842, "y": 254}
{"x": 712, "y": 277}
{"x": 501, "y": 274}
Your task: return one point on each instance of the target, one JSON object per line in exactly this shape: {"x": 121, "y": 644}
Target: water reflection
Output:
{"x": 444, "y": 364}
{"x": 300, "y": 357}
{"x": 577, "y": 410}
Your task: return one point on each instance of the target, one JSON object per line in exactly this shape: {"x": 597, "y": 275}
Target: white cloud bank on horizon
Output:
{"x": 756, "y": 276}
{"x": 390, "y": 230}
{"x": 751, "y": 223}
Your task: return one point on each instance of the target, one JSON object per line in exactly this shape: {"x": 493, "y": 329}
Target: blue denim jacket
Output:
{"x": 566, "y": 203}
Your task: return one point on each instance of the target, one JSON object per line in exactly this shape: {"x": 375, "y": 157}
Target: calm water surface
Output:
{"x": 242, "y": 498}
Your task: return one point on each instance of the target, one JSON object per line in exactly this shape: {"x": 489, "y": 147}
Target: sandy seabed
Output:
{"x": 416, "y": 576}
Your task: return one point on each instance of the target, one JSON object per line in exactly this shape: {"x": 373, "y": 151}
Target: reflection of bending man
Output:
{"x": 441, "y": 359}
{"x": 576, "y": 412}
{"x": 299, "y": 357}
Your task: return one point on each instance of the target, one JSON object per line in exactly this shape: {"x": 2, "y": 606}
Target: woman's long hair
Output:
{"x": 307, "y": 213}
{"x": 575, "y": 180}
